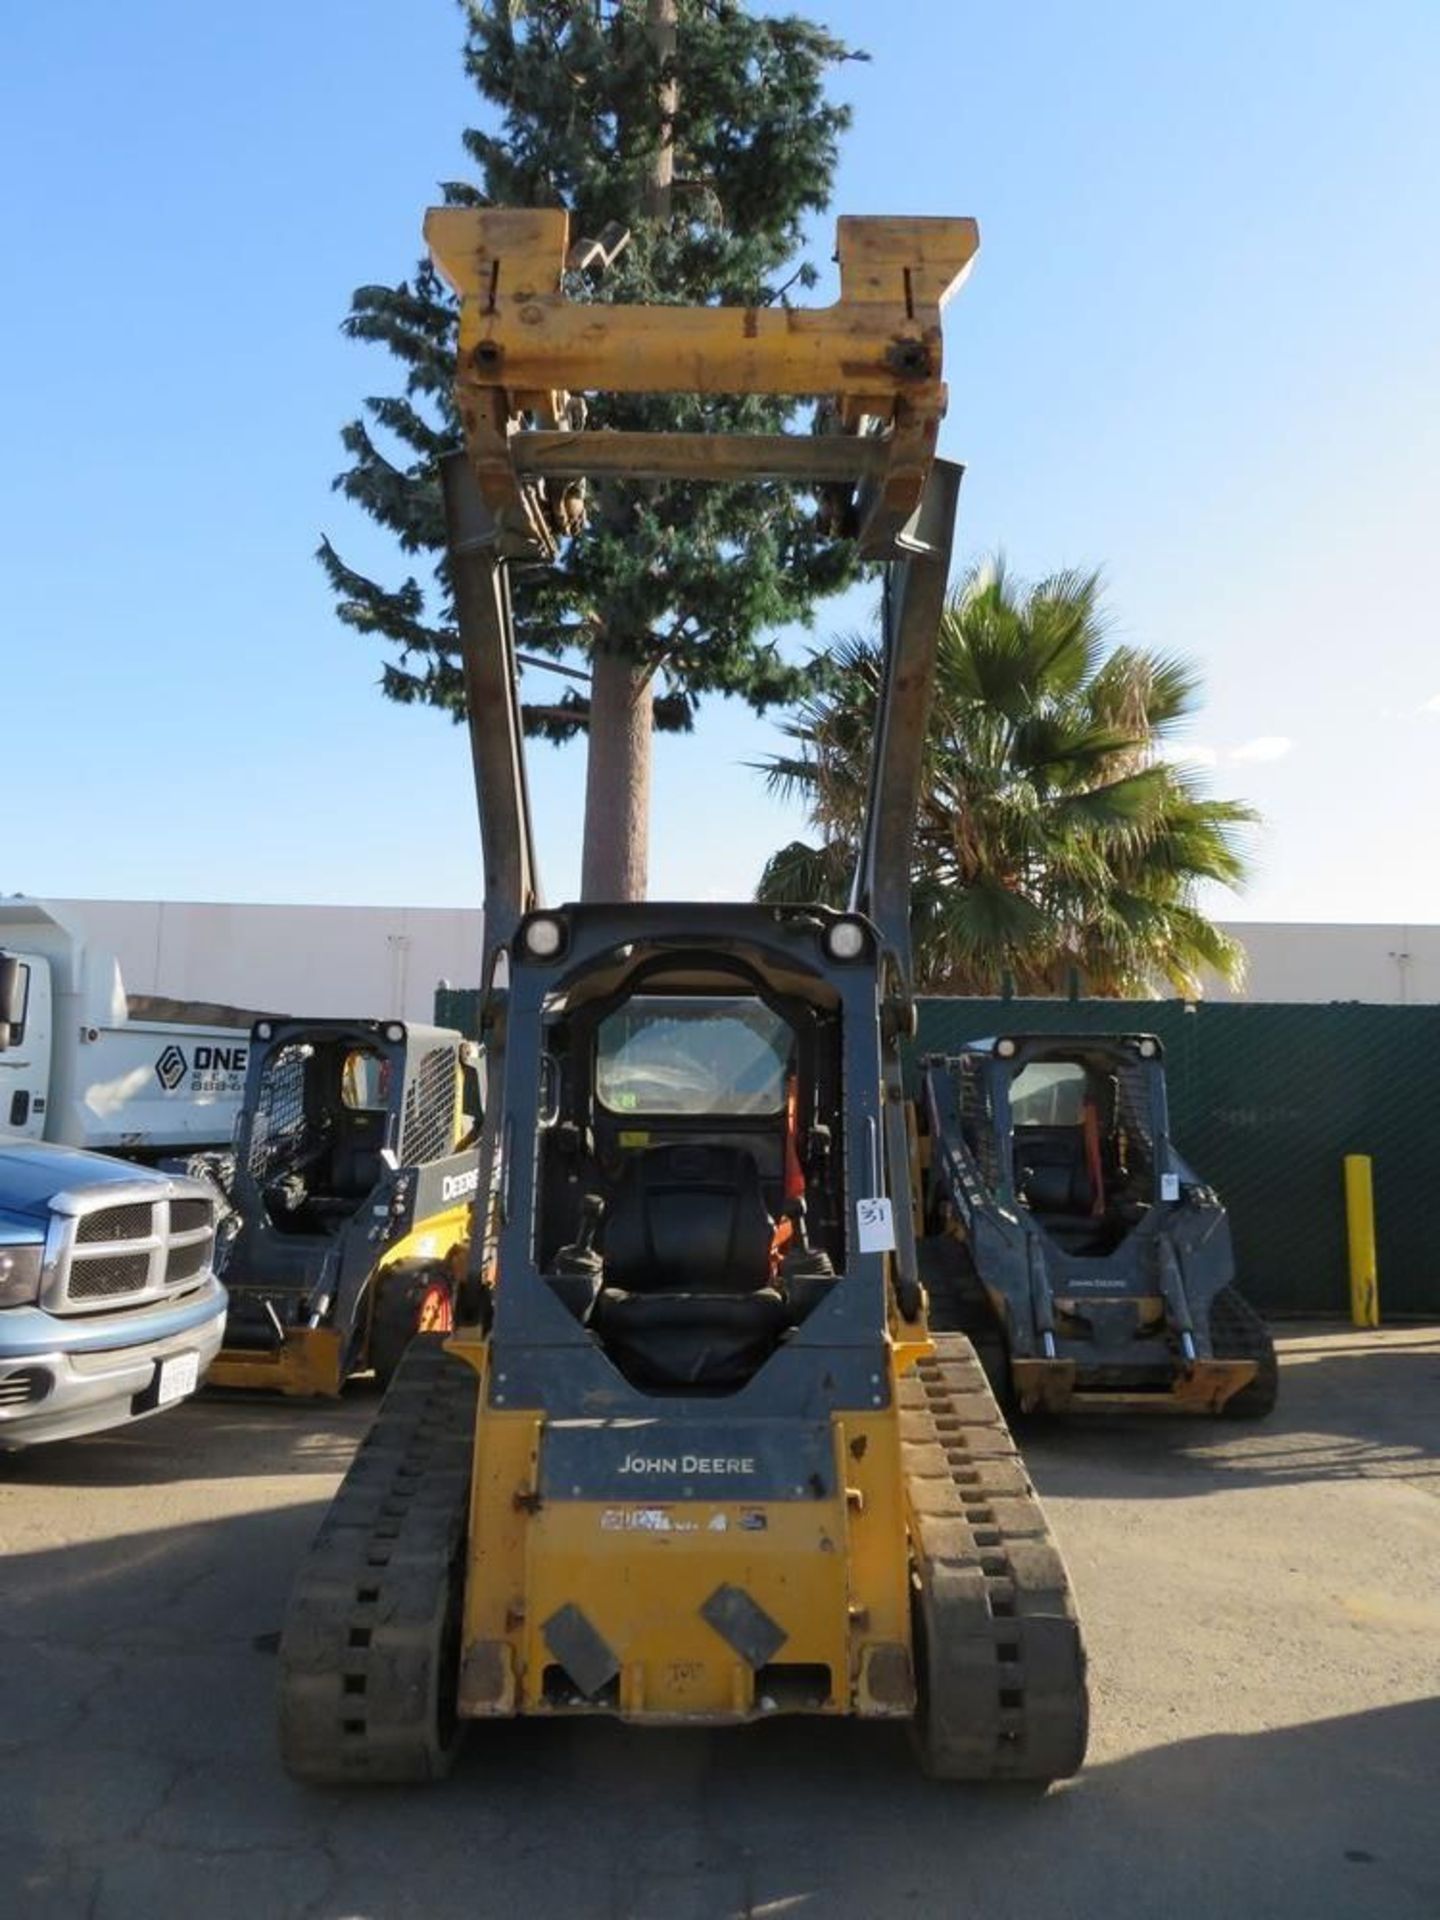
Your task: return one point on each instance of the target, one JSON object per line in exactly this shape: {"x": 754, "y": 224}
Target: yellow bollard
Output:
{"x": 1360, "y": 1221}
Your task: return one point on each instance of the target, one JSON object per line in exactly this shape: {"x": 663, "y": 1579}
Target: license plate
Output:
{"x": 179, "y": 1375}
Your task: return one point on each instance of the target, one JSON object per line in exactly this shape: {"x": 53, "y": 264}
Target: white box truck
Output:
{"x": 84, "y": 1065}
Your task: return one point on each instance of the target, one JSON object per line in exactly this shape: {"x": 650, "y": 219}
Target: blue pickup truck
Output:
{"x": 109, "y": 1306}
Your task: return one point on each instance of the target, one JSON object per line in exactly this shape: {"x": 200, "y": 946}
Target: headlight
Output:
{"x": 544, "y": 936}
{"x": 263, "y": 1029}
{"x": 1005, "y": 1049}
{"x": 845, "y": 939}
{"x": 1147, "y": 1049}
{"x": 395, "y": 1032}
{"x": 20, "y": 1275}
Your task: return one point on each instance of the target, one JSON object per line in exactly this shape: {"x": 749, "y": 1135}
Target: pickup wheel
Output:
{"x": 415, "y": 1296}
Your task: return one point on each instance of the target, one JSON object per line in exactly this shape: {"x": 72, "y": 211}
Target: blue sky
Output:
{"x": 1200, "y": 349}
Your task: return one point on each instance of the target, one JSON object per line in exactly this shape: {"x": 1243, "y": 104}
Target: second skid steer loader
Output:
{"x": 348, "y": 1210}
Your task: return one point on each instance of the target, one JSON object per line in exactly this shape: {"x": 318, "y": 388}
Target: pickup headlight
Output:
{"x": 20, "y": 1275}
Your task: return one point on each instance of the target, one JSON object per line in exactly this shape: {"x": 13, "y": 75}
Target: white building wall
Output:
{"x": 1383, "y": 965}
{"x": 385, "y": 962}
{"x": 375, "y": 962}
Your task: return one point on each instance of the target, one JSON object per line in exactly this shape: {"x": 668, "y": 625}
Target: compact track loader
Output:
{"x": 1089, "y": 1263}
{"x": 356, "y": 1162}
{"x": 693, "y": 1454}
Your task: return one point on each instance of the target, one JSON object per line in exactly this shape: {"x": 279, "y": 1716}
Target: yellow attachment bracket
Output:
{"x": 527, "y": 351}
{"x": 308, "y": 1364}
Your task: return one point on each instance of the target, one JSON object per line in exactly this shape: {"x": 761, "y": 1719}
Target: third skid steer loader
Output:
{"x": 692, "y": 1454}
{"x": 1090, "y": 1264}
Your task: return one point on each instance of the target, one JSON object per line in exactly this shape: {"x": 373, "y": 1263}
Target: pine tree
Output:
{"x": 706, "y": 132}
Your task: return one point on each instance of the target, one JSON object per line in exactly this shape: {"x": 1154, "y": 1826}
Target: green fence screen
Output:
{"x": 1265, "y": 1102}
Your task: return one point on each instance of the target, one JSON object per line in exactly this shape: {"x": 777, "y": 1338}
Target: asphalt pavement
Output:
{"x": 1262, "y": 1606}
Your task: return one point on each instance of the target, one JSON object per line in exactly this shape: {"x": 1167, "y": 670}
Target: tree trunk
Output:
{"x": 616, "y": 858}
{"x": 617, "y": 779}
{"x": 661, "y": 22}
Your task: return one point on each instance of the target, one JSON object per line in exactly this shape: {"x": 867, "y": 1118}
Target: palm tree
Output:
{"x": 1054, "y": 839}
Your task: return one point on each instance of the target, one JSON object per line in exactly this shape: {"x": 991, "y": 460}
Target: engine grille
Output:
{"x": 429, "y": 1127}
{"x": 103, "y": 1275}
{"x": 183, "y": 1263}
{"x": 188, "y": 1216}
{"x": 133, "y": 1222}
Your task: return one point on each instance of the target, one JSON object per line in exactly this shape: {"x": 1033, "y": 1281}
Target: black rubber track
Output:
{"x": 960, "y": 1304}
{"x": 370, "y": 1646}
{"x": 1237, "y": 1332}
{"x": 1000, "y": 1661}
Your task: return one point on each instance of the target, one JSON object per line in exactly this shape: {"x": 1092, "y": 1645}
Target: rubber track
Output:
{"x": 960, "y": 1304}
{"x": 368, "y": 1651}
{"x": 1003, "y": 1664}
{"x": 1238, "y": 1332}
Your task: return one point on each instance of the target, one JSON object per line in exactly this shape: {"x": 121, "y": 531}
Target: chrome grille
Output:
{"x": 133, "y": 1222}
{"x": 101, "y": 1276}
{"x": 115, "y": 1249}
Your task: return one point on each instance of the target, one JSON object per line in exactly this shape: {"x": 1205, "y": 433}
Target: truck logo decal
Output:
{"x": 211, "y": 1069}
{"x": 459, "y": 1186}
{"x": 171, "y": 1068}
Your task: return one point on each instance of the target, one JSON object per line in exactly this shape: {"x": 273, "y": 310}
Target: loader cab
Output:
{"x": 356, "y": 1148}
{"x": 334, "y": 1108}
{"x": 1071, "y": 1129}
{"x": 322, "y": 1112}
{"x": 688, "y": 1086}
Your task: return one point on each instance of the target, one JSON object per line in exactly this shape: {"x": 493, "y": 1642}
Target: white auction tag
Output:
{"x": 1169, "y": 1186}
{"x": 876, "y": 1225}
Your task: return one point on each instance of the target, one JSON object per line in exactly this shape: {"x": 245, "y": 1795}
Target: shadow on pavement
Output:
{"x": 1332, "y": 1818}
{"x": 213, "y": 1437}
{"x": 199, "y": 1585}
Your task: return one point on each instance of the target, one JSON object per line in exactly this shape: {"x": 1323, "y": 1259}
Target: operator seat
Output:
{"x": 688, "y": 1298}
{"x": 1055, "y": 1177}
{"x": 355, "y": 1163}
{"x": 1052, "y": 1175}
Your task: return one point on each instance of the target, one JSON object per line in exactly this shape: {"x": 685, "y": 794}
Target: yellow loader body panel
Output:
{"x": 638, "y": 1574}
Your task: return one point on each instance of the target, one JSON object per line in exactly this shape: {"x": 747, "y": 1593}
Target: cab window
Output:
{"x": 364, "y": 1079}
{"x": 1048, "y": 1093}
{"x": 22, "y": 1001}
{"x": 720, "y": 1055}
